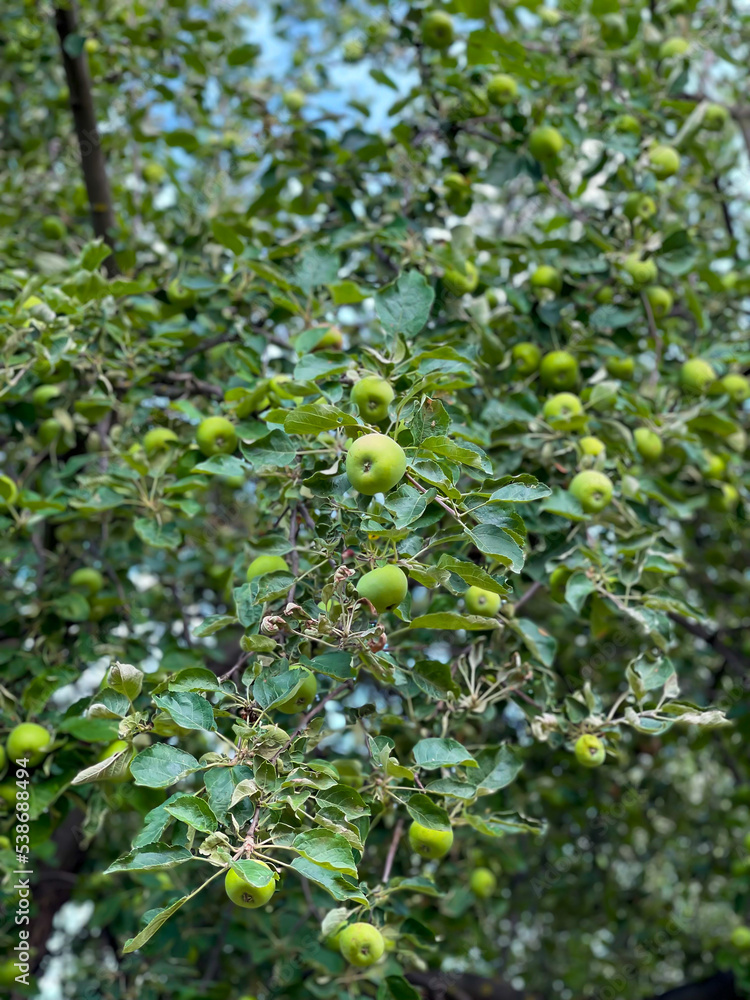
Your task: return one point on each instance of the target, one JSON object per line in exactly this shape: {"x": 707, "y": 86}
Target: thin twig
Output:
{"x": 294, "y": 553}
{"x": 346, "y": 686}
{"x": 658, "y": 342}
{"x": 233, "y": 670}
{"x": 524, "y": 598}
{"x": 397, "y": 831}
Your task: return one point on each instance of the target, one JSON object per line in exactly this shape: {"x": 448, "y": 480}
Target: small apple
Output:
{"x": 3, "y": 757}
{"x": 266, "y": 564}
{"x": 361, "y": 945}
{"x": 648, "y": 444}
{"x": 158, "y": 439}
{"x": 546, "y": 276}
{"x": 350, "y": 772}
{"x": 461, "y": 282}
{"x": 526, "y": 357}
{"x": 216, "y": 436}
{"x": 622, "y": 368}
{"x": 715, "y": 466}
{"x": 117, "y": 746}
{"x": 245, "y": 894}
{"x": 385, "y": 588}
{"x": 590, "y": 751}
{"x": 153, "y": 173}
{"x": 353, "y": 50}
{"x": 592, "y": 446}
{"x": 179, "y": 295}
{"x": 482, "y": 883}
{"x": 715, "y": 117}
{"x": 502, "y": 89}
{"x": 482, "y": 602}
{"x": 664, "y": 160}
{"x": 428, "y": 843}
{"x": 437, "y": 30}
{"x": 294, "y": 100}
{"x": 639, "y": 206}
{"x": 696, "y": 375}
{"x": 458, "y": 183}
{"x": 303, "y": 696}
{"x": 545, "y": 143}
{"x": 736, "y": 386}
{"x": 561, "y": 409}
{"x": 558, "y": 578}
{"x": 372, "y": 396}
{"x": 740, "y": 938}
{"x": 643, "y": 272}
{"x": 660, "y": 299}
{"x": 592, "y": 489}
{"x": 50, "y": 431}
{"x": 44, "y": 394}
{"x": 627, "y": 123}
{"x": 88, "y": 579}
{"x": 8, "y": 491}
{"x": 550, "y": 16}
{"x": 605, "y": 295}
{"x": 375, "y": 463}
{"x": 54, "y": 228}
{"x": 28, "y": 741}
{"x": 672, "y": 48}
{"x": 727, "y": 499}
{"x": 332, "y": 339}
{"x": 558, "y": 370}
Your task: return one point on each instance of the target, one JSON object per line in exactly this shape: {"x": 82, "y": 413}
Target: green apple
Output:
{"x": 550, "y": 16}
{"x": 664, "y": 160}
{"x": 643, "y": 272}
{"x": 216, "y": 436}
{"x": 592, "y": 446}
{"x": 266, "y": 564}
{"x": 353, "y": 49}
{"x": 50, "y": 431}
{"x": 437, "y": 30}
{"x": 558, "y": 579}
{"x": 372, "y": 396}
{"x": 558, "y": 370}
{"x": 546, "y": 276}
{"x": 44, "y": 394}
{"x": 715, "y": 466}
{"x": 672, "y": 48}
{"x": 54, "y": 228}
{"x": 482, "y": 602}
{"x": 374, "y": 464}
{"x": 715, "y": 117}
{"x": 428, "y": 843}
{"x": 87, "y": 578}
{"x": 482, "y": 883}
{"x": 117, "y": 746}
{"x": 648, "y": 444}
{"x": 589, "y": 750}
{"x": 350, "y": 772}
{"x": 740, "y": 938}
{"x": 153, "y": 173}
{"x": 736, "y": 386}
{"x": 696, "y": 375}
{"x": 245, "y": 894}
{"x": 303, "y": 696}
{"x": 627, "y": 123}
{"x": 461, "y": 282}
{"x": 526, "y": 357}
{"x": 660, "y": 299}
{"x": 561, "y": 409}
{"x": 502, "y": 89}
{"x": 727, "y": 499}
{"x": 639, "y": 206}
{"x": 332, "y": 339}
{"x": 622, "y": 368}
{"x": 592, "y": 489}
{"x": 294, "y": 100}
{"x": 385, "y": 588}
{"x": 28, "y": 741}
{"x": 3, "y": 757}
{"x": 8, "y": 492}
{"x": 361, "y": 945}
{"x": 158, "y": 439}
{"x": 545, "y": 143}
{"x": 4, "y": 846}
{"x": 605, "y": 295}
{"x": 179, "y": 295}
{"x": 457, "y": 183}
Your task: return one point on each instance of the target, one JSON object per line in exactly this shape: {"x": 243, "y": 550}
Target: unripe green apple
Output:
{"x": 28, "y": 741}
{"x": 605, "y": 295}
{"x": 350, "y": 772}
{"x": 44, "y": 394}
{"x": 558, "y": 579}
{"x": 546, "y": 276}
{"x": 648, "y": 444}
{"x": 216, "y": 436}
{"x": 561, "y": 409}
{"x": 727, "y": 499}
{"x": 87, "y": 578}
{"x": 428, "y": 843}
{"x": 117, "y": 746}
{"x": 333, "y": 338}
{"x": 457, "y": 182}
{"x": 372, "y": 396}
{"x": 54, "y": 228}
{"x": 482, "y": 602}
{"x": 715, "y": 466}
{"x": 639, "y": 206}
{"x": 622, "y": 368}
{"x": 736, "y": 386}
{"x": 179, "y": 295}
{"x": 627, "y": 123}
{"x": 304, "y": 695}
{"x": 353, "y": 50}
{"x": 592, "y": 489}
{"x": 592, "y": 446}
{"x": 246, "y": 895}
{"x": 294, "y": 100}
{"x": 482, "y": 883}
{"x": 643, "y": 272}
{"x": 526, "y": 357}
{"x": 550, "y": 16}
{"x": 558, "y": 370}
{"x": 50, "y": 431}
{"x": 8, "y": 491}
{"x": 361, "y": 945}
{"x": 502, "y": 89}
{"x": 664, "y": 160}
{"x": 715, "y": 117}
{"x": 660, "y": 299}
{"x": 545, "y": 143}
{"x": 158, "y": 439}
{"x": 461, "y": 282}
{"x": 375, "y": 463}
{"x": 437, "y": 30}
{"x": 266, "y": 564}
{"x": 590, "y": 751}
{"x": 153, "y": 173}
{"x": 4, "y": 846}
{"x": 671, "y": 48}
{"x": 385, "y": 588}
{"x": 740, "y": 938}
{"x": 3, "y": 757}
{"x": 697, "y": 375}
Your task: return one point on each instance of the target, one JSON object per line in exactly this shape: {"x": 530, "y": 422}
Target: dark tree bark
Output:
{"x": 89, "y": 141}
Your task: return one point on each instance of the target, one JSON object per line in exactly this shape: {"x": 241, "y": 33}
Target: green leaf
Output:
{"x": 158, "y": 920}
{"x": 90, "y": 730}
{"x": 497, "y": 769}
{"x": 155, "y": 857}
{"x": 434, "y": 752}
{"x": 160, "y": 536}
{"x": 194, "y": 812}
{"x": 434, "y": 678}
{"x": 452, "y": 621}
{"x": 399, "y": 988}
{"x": 519, "y": 489}
{"x": 539, "y": 643}
{"x": 564, "y": 504}
{"x": 336, "y": 884}
{"x": 496, "y": 542}
{"x": 194, "y": 679}
{"x": 503, "y": 824}
{"x": 227, "y": 236}
{"x": 316, "y": 267}
{"x": 328, "y": 849}
{"x": 472, "y": 574}
{"x": 408, "y": 504}
{"x": 220, "y": 784}
{"x": 423, "y": 810}
{"x": 188, "y": 709}
{"x": 312, "y": 418}
{"x": 253, "y": 872}
{"x": 155, "y": 822}
{"x": 404, "y": 307}
{"x": 161, "y": 765}
{"x": 214, "y": 623}
{"x": 126, "y": 680}
{"x": 577, "y": 589}
{"x": 277, "y": 684}
{"x": 271, "y": 452}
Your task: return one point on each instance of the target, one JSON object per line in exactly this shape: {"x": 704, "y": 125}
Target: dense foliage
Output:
{"x": 529, "y": 226}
